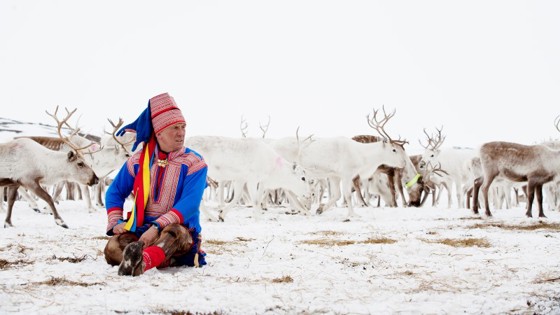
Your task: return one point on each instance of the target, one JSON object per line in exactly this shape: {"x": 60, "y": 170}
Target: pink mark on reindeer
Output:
{"x": 279, "y": 161}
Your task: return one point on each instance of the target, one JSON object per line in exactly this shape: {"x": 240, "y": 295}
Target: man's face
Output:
{"x": 172, "y": 138}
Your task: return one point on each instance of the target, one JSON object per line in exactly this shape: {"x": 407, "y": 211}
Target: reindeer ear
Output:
{"x": 71, "y": 156}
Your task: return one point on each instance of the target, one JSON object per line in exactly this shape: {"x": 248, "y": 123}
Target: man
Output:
{"x": 167, "y": 182}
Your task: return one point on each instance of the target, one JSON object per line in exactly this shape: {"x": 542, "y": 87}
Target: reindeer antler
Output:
{"x": 243, "y": 126}
{"x": 300, "y": 143}
{"x": 434, "y": 169}
{"x": 434, "y": 141}
{"x": 64, "y": 121}
{"x": 116, "y": 128}
{"x": 264, "y": 128}
{"x": 379, "y": 125}
{"x": 557, "y": 122}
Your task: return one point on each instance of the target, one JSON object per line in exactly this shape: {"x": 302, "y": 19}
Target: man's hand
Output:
{"x": 119, "y": 228}
{"x": 150, "y": 236}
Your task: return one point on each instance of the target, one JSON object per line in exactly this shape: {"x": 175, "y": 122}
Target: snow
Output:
{"x": 386, "y": 261}
{"x": 429, "y": 260}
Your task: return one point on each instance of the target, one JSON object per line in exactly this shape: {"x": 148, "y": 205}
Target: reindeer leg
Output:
{"x": 295, "y": 203}
{"x": 539, "y": 201}
{"x": 41, "y": 193}
{"x": 206, "y": 212}
{"x": 99, "y": 189}
{"x": 358, "y": 190}
{"x": 12, "y": 192}
{"x": 486, "y": 182}
{"x": 87, "y": 196}
{"x": 530, "y": 197}
{"x": 476, "y": 189}
{"x": 237, "y": 190}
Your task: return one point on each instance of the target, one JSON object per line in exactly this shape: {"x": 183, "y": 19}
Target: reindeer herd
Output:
{"x": 305, "y": 176}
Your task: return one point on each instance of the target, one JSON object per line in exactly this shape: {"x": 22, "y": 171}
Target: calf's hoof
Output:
{"x": 131, "y": 264}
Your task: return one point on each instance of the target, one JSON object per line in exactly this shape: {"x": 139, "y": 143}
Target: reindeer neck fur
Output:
{"x": 369, "y": 156}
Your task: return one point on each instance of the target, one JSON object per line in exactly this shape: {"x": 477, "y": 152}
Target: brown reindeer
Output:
{"x": 534, "y": 164}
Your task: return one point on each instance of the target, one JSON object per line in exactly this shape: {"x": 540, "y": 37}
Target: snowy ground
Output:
{"x": 387, "y": 261}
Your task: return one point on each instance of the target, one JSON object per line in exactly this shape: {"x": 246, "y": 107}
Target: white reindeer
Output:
{"x": 454, "y": 161}
{"x": 341, "y": 159}
{"x": 24, "y": 162}
{"x": 250, "y": 162}
{"x": 104, "y": 157}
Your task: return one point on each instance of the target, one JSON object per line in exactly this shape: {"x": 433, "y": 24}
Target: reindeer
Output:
{"x": 453, "y": 161}
{"x": 341, "y": 159}
{"x": 534, "y": 164}
{"x": 386, "y": 180}
{"x": 250, "y": 162}
{"x": 24, "y": 162}
{"x": 104, "y": 158}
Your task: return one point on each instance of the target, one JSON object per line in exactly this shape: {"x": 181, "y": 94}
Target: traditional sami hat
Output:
{"x": 162, "y": 112}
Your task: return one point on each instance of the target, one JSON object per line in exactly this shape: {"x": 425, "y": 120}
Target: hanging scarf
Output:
{"x": 141, "y": 187}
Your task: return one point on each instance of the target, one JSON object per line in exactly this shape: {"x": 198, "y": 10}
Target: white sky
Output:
{"x": 484, "y": 70}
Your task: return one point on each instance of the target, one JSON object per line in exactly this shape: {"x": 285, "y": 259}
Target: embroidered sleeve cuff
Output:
{"x": 168, "y": 218}
{"x": 113, "y": 217}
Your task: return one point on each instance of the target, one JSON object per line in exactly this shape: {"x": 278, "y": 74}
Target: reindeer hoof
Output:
{"x": 8, "y": 224}
{"x": 131, "y": 265}
{"x": 61, "y": 223}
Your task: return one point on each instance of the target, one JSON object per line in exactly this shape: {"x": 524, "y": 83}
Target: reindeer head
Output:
{"x": 434, "y": 142}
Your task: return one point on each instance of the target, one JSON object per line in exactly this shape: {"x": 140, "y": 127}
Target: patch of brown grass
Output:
{"x": 335, "y": 242}
{"x": 19, "y": 248}
{"x": 541, "y": 225}
{"x": 328, "y": 242}
{"x": 171, "y": 312}
{"x": 73, "y": 260}
{"x": 4, "y": 264}
{"x": 379, "y": 240}
{"x": 215, "y": 242}
{"x": 466, "y": 242}
{"x": 243, "y": 239}
{"x": 326, "y": 233}
{"x": 55, "y": 281}
{"x": 284, "y": 279}
{"x": 217, "y": 247}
